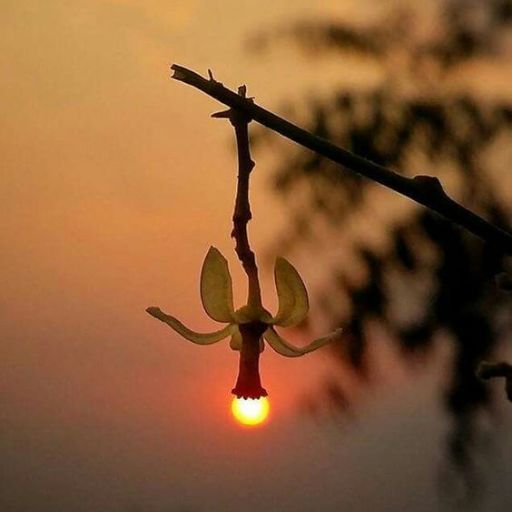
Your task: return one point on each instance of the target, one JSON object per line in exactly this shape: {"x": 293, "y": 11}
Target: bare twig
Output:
{"x": 425, "y": 190}
{"x": 242, "y": 213}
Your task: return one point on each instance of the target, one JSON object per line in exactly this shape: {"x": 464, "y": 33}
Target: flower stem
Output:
{"x": 248, "y": 384}
{"x": 242, "y": 213}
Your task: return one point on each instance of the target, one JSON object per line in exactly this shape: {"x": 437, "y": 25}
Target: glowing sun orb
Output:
{"x": 250, "y": 411}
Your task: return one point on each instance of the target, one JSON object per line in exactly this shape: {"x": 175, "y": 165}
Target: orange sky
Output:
{"x": 114, "y": 183}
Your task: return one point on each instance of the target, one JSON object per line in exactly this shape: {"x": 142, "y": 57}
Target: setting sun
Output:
{"x": 248, "y": 411}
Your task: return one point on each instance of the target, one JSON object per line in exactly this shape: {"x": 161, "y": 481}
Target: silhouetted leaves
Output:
{"x": 447, "y": 130}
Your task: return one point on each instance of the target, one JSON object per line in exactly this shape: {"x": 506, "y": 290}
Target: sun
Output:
{"x": 249, "y": 411}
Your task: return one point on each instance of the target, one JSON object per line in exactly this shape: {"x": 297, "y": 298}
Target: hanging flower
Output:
{"x": 250, "y": 325}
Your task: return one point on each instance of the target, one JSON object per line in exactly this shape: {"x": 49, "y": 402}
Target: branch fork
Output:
{"x": 421, "y": 189}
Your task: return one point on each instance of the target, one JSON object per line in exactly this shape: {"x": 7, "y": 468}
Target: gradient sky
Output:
{"x": 114, "y": 183}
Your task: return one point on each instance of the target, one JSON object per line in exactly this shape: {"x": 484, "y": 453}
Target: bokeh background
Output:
{"x": 114, "y": 183}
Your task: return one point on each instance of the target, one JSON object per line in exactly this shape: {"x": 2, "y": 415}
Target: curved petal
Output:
{"x": 200, "y": 338}
{"x": 292, "y": 294}
{"x": 283, "y": 347}
{"x": 236, "y": 339}
{"x": 216, "y": 287}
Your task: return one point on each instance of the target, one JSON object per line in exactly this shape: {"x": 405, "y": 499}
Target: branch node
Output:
{"x": 430, "y": 184}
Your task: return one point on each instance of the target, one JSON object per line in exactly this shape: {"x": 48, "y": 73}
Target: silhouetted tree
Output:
{"x": 412, "y": 119}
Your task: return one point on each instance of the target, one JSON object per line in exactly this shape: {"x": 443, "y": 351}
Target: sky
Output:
{"x": 114, "y": 183}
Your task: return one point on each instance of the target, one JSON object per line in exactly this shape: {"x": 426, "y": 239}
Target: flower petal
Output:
{"x": 283, "y": 347}
{"x": 216, "y": 287}
{"x": 236, "y": 339}
{"x": 292, "y": 295}
{"x": 200, "y": 338}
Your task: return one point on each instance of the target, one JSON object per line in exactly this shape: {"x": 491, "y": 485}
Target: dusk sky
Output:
{"x": 115, "y": 182}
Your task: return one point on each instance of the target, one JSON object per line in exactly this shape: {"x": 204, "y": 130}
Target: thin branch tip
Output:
{"x": 179, "y": 73}
{"x": 487, "y": 370}
{"x": 154, "y": 311}
{"x": 224, "y": 114}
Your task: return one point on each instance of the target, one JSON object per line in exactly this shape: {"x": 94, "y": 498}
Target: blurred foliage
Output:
{"x": 414, "y": 118}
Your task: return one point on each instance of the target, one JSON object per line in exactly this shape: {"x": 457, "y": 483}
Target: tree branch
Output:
{"x": 425, "y": 190}
{"x": 488, "y": 371}
{"x": 242, "y": 213}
